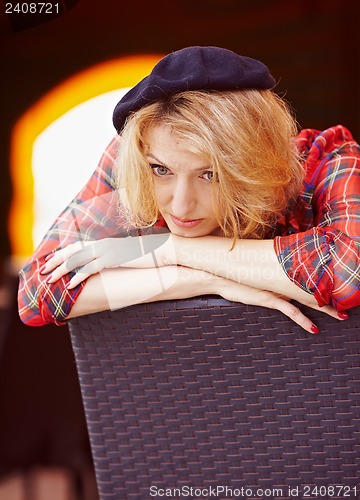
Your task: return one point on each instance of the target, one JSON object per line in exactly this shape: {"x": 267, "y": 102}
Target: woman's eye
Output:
{"x": 208, "y": 175}
{"x": 159, "y": 170}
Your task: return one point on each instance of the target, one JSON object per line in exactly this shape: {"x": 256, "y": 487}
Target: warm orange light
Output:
{"x": 105, "y": 77}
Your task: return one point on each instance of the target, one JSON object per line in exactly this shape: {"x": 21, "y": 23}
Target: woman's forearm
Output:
{"x": 250, "y": 262}
{"x": 122, "y": 287}
{"x": 119, "y": 287}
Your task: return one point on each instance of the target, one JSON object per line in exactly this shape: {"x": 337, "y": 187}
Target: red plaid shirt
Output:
{"x": 317, "y": 240}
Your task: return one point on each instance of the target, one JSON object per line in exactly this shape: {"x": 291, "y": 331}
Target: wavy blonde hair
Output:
{"x": 247, "y": 138}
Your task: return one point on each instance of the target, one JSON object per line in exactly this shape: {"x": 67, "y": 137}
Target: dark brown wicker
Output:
{"x": 204, "y": 393}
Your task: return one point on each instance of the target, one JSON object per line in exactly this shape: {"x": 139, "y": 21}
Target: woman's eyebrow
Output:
{"x": 198, "y": 169}
{"x": 159, "y": 161}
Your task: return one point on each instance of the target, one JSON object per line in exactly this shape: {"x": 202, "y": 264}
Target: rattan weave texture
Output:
{"x": 206, "y": 393}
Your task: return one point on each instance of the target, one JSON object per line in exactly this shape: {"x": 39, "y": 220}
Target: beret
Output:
{"x": 193, "y": 68}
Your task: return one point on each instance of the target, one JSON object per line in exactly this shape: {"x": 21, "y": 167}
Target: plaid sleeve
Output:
{"x": 90, "y": 216}
{"x": 324, "y": 260}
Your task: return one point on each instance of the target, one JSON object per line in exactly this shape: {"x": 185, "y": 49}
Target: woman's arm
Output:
{"x": 116, "y": 288}
{"x": 122, "y": 287}
{"x": 324, "y": 258}
{"x": 250, "y": 262}
{"x": 88, "y": 217}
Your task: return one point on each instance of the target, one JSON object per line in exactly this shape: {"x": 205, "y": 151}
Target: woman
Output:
{"x": 206, "y": 189}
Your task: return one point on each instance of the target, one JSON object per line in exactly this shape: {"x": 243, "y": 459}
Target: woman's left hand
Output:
{"x": 91, "y": 257}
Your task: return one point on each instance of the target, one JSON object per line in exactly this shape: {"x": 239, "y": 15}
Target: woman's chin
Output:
{"x": 185, "y": 233}
{"x": 193, "y": 233}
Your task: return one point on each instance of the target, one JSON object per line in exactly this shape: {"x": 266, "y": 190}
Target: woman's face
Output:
{"x": 183, "y": 187}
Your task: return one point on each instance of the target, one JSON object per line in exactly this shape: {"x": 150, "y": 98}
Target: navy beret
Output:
{"x": 193, "y": 68}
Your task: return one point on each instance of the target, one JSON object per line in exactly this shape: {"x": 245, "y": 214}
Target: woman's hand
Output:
{"x": 245, "y": 294}
{"x": 91, "y": 257}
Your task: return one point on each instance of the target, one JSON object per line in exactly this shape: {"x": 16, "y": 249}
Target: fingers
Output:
{"x": 132, "y": 252}
{"x": 264, "y": 298}
{"x": 293, "y": 312}
{"x": 331, "y": 311}
{"x": 85, "y": 272}
{"x": 299, "y": 318}
{"x": 63, "y": 261}
{"x": 81, "y": 274}
{"x": 78, "y": 278}
{"x": 58, "y": 273}
{"x": 81, "y": 258}
{"x": 57, "y": 258}
{"x": 86, "y": 258}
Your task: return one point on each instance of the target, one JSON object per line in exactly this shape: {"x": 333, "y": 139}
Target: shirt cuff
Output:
{"x": 305, "y": 258}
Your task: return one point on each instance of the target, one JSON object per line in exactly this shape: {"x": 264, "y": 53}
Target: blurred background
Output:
{"x": 62, "y": 72}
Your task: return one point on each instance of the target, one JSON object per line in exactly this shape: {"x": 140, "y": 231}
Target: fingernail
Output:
{"x": 48, "y": 279}
{"x": 315, "y": 329}
{"x": 343, "y": 315}
{"x": 42, "y": 268}
{"x": 48, "y": 257}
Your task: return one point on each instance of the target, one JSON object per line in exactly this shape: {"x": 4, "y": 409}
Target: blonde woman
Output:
{"x": 208, "y": 188}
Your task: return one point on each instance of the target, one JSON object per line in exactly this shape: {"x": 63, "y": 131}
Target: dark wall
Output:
{"x": 311, "y": 47}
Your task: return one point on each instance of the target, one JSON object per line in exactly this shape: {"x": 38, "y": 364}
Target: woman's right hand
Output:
{"x": 236, "y": 292}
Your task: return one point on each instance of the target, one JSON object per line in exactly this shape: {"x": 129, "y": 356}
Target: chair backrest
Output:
{"x": 229, "y": 400}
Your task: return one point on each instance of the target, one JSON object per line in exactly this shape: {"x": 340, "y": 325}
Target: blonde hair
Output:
{"x": 247, "y": 138}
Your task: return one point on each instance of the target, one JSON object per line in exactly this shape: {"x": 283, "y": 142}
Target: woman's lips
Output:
{"x": 185, "y": 223}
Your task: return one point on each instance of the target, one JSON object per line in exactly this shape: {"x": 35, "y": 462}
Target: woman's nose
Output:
{"x": 183, "y": 199}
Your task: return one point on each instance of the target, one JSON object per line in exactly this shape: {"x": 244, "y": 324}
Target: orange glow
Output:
{"x": 105, "y": 77}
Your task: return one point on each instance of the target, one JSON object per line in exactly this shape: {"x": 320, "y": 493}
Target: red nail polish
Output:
{"x": 48, "y": 257}
{"x": 343, "y": 315}
{"x": 42, "y": 269}
{"x": 315, "y": 329}
{"x": 48, "y": 278}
